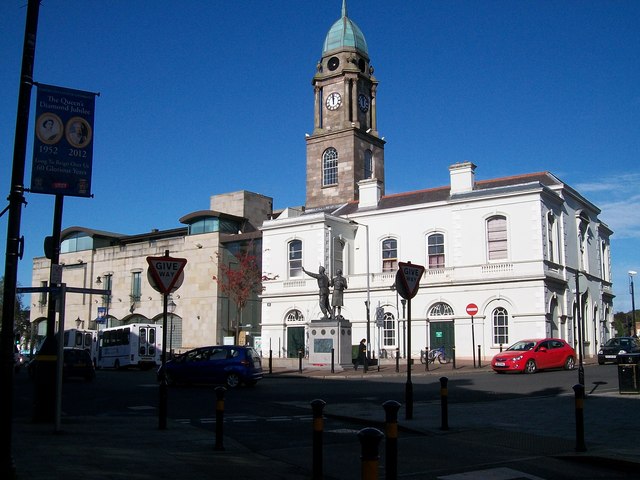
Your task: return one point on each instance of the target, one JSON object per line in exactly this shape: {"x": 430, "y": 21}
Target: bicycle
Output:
{"x": 432, "y": 355}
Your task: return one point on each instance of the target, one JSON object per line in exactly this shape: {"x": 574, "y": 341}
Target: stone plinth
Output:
{"x": 325, "y": 335}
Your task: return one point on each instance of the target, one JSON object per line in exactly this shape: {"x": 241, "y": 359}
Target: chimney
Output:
{"x": 463, "y": 177}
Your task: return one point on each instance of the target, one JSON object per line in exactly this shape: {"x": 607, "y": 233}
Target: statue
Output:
{"x": 339, "y": 284}
{"x": 323, "y": 286}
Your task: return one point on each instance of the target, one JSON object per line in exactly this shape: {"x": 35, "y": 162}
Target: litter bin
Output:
{"x": 629, "y": 372}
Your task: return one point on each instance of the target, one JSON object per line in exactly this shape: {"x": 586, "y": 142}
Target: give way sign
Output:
{"x": 409, "y": 276}
{"x": 165, "y": 272}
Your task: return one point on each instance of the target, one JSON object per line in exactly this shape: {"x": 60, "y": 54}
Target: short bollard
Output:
{"x": 333, "y": 358}
{"x": 317, "y": 407}
{"x": 397, "y": 360}
{"x": 579, "y": 391}
{"x": 426, "y": 359}
{"x": 219, "y": 417}
{"x": 479, "y": 358}
{"x": 300, "y": 361}
{"x": 270, "y": 361}
{"x": 444, "y": 403}
{"x": 391, "y": 408}
{"x": 453, "y": 358}
{"x": 369, "y": 458}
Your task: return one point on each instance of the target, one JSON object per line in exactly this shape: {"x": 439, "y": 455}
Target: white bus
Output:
{"x": 133, "y": 345}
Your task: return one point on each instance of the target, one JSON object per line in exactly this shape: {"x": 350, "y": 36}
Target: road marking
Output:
{"x": 502, "y": 473}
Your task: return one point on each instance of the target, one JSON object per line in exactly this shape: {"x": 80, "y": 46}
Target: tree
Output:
{"x": 21, "y": 324}
{"x": 240, "y": 279}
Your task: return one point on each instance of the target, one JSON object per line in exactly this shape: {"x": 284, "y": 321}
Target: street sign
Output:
{"x": 166, "y": 273}
{"x": 409, "y": 276}
{"x": 472, "y": 309}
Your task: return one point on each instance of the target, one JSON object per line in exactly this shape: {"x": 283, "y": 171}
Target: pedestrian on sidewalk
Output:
{"x": 362, "y": 354}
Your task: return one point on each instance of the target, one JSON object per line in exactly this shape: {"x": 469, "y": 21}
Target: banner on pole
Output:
{"x": 63, "y": 142}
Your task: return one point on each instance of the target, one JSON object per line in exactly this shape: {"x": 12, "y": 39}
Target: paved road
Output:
{"x": 505, "y": 438}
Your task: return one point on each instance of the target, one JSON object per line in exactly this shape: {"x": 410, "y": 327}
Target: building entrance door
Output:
{"x": 295, "y": 341}
{"x": 442, "y": 334}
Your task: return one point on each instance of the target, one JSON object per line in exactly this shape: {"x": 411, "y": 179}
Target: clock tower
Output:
{"x": 344, "y": 147}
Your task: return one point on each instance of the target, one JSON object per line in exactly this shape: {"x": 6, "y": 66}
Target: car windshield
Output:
{"x": 521, "y": 346}
{"x": 612, "y": 342}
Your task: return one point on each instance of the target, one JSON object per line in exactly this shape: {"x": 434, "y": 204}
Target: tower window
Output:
{"x": 330, "y": 167}
{"x": 368, "y": 164}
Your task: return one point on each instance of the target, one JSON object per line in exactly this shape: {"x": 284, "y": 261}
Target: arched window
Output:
{"x": 435, "y": 250}
{"x": 440, "y": 309}
{"x": 295, "y": 316}
{"x": 389, "y": 255}
{"x": 497, "y": 238}
{"x": 368, "y": 164}
{"x": 330, "y": 167}
{"x": 76, "y": 242}
{"x": 388, "y": 330}
{"x": 295, "y": 258}
{"x": 500, "y": 320}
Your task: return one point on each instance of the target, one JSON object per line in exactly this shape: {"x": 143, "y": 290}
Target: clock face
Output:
{"x": 333, "y": 63}
{"x": 363, "y": 102}
{"x": 334, "y": 101}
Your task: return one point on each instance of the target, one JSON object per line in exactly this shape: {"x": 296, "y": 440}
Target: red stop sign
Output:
{"x": 472, "y": 309}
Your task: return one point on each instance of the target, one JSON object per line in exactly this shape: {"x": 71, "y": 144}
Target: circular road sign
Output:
{"x": 472, "y": 309}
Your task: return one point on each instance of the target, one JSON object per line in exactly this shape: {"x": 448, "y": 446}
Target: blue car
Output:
{"x": 229, "y": 365}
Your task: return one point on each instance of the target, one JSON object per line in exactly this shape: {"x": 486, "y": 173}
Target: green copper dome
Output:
{"x": 345, "y": 33}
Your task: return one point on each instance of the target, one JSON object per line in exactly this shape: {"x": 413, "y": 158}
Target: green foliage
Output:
{"x": 21, "y": 325}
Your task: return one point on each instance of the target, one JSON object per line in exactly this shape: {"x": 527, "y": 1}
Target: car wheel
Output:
{"x": 530, "y": 366}
{"x": 569, "y": 363}
{"x": 233, "y": 380}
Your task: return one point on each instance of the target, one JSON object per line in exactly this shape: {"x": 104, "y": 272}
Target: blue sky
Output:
{"x": 205, "y": 97}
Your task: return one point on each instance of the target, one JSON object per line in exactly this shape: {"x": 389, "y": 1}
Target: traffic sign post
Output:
{"x": 472, "y": 309}
{"x": 165, "y": 275}
{"x": 407, "y": 284}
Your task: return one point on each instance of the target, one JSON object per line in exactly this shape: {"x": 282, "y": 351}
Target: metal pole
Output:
{"x": 632, "y": 327}
{"x": 579, "y": 325}
{"x": 408, "y": 391}
{"x": 473, "y": 342}
{"x": 162, "y": 409}
{"x": 15, "y": 243}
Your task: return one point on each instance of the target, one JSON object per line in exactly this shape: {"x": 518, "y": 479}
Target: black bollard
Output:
{"x": 270, "y": 361}
{"x": 397, "y": 359}
{"x": 579, "y": 391}
{"x": 219, "y": 417}
{"x": 333, "y": 353}
{"x": 391, "y": 408}
{"x": 369, "y": 440}
{"x": 453, "y": 357}
{"x": 479, "y": 358}
{"x": 300, "y": 361}
{"x": 444, "y": 403}
{"x": 317, "y": 406}
{"x": 426, "y": 359}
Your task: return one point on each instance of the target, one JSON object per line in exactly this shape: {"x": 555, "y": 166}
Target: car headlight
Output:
{"x": 600, "y": 352}
{"x": 622, "y": 352}
{"x": 519, "y": 357}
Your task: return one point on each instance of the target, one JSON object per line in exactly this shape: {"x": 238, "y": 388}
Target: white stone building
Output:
{"x": 512, "y": 246}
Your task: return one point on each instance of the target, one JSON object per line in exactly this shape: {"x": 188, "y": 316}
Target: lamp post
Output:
{"x": 171, "y": 307}
{"x": 579, "y": 325}
{"x": 632, "y": 326}
{"x": 367, "y": 302}
{"x": 404, "y": 329}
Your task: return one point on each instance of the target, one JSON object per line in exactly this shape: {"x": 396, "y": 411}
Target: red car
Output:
{"x": 529, "y": 356}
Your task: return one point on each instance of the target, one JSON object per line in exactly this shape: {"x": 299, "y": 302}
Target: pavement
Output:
{"x": 482, "y": 442}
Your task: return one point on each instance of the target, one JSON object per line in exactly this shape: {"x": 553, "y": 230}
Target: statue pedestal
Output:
{"x": 325, "y": 335}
